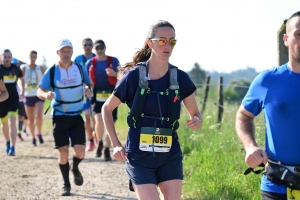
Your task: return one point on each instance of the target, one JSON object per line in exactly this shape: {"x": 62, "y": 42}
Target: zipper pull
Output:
{"x": 176, "y": 97}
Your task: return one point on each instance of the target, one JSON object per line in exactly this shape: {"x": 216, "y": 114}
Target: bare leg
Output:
{"x": 146, "y": 191}
{"x": 39, "y": 106}
{"x": 5, "y": 130}
{"x": 12, "y": 130}
{"x": 99, "y": 126}
{"x": 30, "y": 111}
{"x": 171, "y": 190}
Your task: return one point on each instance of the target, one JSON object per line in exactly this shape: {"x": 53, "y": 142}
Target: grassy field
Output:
{"x": 213, "y": 157}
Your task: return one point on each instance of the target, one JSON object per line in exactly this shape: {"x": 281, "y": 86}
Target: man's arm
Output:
{"x": 245, "y": 129}
{"x": 3, "y": 92}
{"x": 44, "y": 94}
{"x": 21, "y": 84}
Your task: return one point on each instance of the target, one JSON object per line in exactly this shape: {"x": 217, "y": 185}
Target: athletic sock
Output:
{"x": 76, "y": 162}
{"x": 92, "y": 140}
{"x": 64, "y": 169}
{"x": 100, "y": 143}
{"x": 20, "y": 127}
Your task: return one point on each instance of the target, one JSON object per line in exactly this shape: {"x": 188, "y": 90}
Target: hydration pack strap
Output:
{"x": 279, "y": 174}
{"x": 143, "y": 91}
{"x": 52, "y": 73}
{"x": 249, "y": 170}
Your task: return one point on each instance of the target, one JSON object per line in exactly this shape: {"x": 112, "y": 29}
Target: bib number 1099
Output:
{"x": 160, "y": 139}
{"x": 155, "y": 139}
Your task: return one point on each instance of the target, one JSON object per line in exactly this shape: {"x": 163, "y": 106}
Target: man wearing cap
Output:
{"x": 11, "y": 75}
{"x": 87, "y": 45}
{"x": 69, "y": 83}
{"x": 103, "y": 72}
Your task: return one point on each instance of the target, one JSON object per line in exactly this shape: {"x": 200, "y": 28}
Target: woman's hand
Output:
{"x": 194, "y": 123}
{"x": 120, "y": 154}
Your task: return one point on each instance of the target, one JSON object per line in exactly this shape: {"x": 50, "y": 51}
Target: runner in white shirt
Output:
{"x": 33, "y": 105}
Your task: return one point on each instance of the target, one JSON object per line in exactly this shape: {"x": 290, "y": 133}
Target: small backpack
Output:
{"x": 111, "y": 80}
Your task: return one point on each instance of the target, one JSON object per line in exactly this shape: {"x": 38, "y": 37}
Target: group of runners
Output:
{"x": 154, "y": 91}
{"x": 85, "y": 94}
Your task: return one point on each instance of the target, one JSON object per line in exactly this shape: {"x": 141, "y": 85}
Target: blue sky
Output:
{"x": 220, "y": 35}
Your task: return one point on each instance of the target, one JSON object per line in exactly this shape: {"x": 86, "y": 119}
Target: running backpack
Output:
{"x": 93, "y": 69}
{"x": 142, "y": 92}
{"x": 52, "y": 72}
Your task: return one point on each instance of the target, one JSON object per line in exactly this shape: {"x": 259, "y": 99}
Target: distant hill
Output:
{"x": 247, "y": 74}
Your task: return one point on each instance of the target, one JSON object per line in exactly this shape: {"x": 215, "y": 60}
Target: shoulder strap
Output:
{"x": 94, "y": 61}
{"x": 52, "y": 71}
{"x": 109, "y": 62}
{"x": 80, "y": 70}
{"x": 143, "y": 79}
{"x": 84, "y": 59}
{"x": 173, "y": 78}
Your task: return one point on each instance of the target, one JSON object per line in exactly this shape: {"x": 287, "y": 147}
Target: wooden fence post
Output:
{"x": 282, "y": 49}
{"x": 206, "y": 93}
{"x": 220, "y": 102}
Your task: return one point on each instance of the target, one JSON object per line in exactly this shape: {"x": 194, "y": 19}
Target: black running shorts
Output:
{"x": 66, "y": 129}
{"x": 98, "y": 106}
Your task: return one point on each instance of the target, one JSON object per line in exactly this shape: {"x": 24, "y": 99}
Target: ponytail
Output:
{"x": 139, "y": 56}
{"x": 145, "y": 53}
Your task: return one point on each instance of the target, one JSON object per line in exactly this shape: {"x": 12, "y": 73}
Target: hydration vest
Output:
{"x": 142, "y": 92}
{"x": 53, "y": 86}
{"x": 93, "y": 70}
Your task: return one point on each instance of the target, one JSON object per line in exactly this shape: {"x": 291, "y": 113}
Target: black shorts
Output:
{"x": 144, "y": 168}
{"x": 272, "y": 196}
{"x": 21, "y": 110}
{"x": 9, "y": 105}
{"x": 98, "y": 106}
{"x": 66, "y": 128}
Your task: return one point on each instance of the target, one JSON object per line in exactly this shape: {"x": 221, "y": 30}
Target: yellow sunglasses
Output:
{"x": 164, "y": 41}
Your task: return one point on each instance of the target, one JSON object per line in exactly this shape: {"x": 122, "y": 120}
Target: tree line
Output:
{"x": 236, "y": 83}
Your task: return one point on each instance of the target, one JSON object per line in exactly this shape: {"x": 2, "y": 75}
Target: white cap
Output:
{"x": 64, "y": 43}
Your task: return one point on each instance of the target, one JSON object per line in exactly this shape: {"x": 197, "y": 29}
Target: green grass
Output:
{"x": 213, "y": 158}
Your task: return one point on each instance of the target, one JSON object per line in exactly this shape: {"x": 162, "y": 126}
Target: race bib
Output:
{"x": 155, "y": 139}
{"x": 102, "y": 96}
{"x": 32, "y": 86}
{"x": 9, "y": 78}
{"x": 292, "y": 194}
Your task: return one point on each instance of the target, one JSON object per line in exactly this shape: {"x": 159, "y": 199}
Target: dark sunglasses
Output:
{"x": 100, "y": 47}
{"x": 88, "y": 44}
{"x": 164, "y": 41}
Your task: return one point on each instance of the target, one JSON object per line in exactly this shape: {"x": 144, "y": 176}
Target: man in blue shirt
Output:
{"x": 277, "y": 92}
{"x": 67, "y": 81}
{"x": 87, "y": 45}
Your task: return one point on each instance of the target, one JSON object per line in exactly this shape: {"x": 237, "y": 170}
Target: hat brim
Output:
{"x": 59, "y": 48}
{"x": 97, "y": 44}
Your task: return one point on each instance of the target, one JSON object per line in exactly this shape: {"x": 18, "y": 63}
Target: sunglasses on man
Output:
{"x": 164, "y": 41}
{"x": 88, "y": 44}
{"x": 100, "y": 47}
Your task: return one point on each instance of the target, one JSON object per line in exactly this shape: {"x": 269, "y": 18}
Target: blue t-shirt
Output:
{"x": 278, "y": 92}
{"x": 81, "y": 59}
{"x": 101, "y": 76}
{"x": 14, "y": 61}
{"x": 125, "y": 90}
{"x": 66, "y": 78}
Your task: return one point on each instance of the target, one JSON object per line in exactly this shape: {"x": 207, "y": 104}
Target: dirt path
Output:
{"x": 34, "y": 174}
